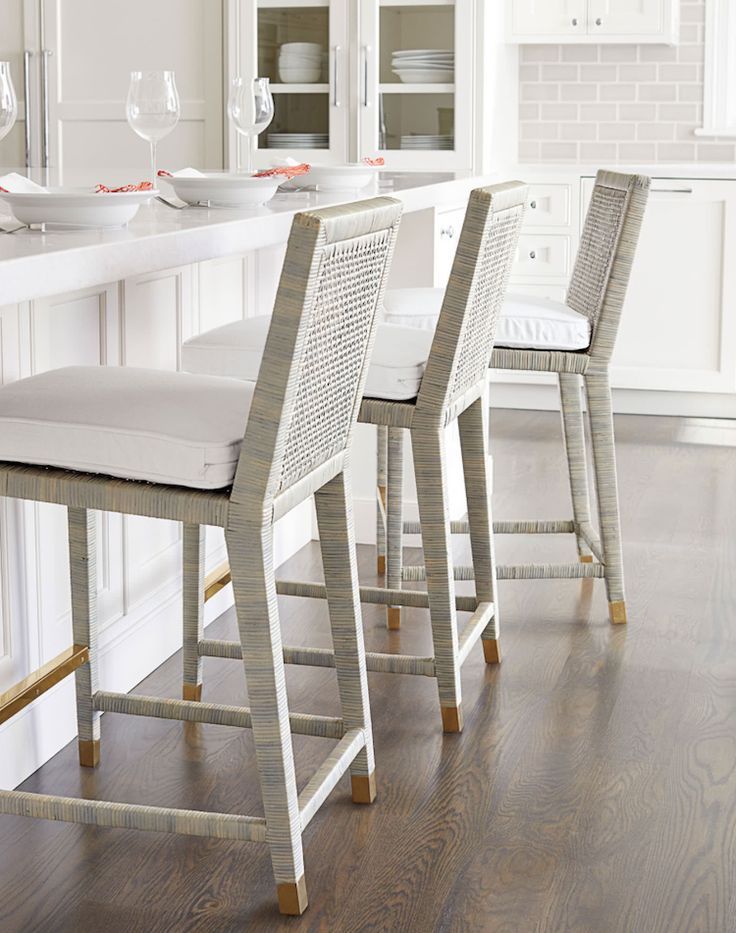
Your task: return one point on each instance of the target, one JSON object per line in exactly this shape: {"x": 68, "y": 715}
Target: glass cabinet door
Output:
{"x": 416, "y": 92}
{"x": 302, "y": 47}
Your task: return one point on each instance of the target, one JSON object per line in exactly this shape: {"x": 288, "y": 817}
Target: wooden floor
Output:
{"x": 593, "y": 789}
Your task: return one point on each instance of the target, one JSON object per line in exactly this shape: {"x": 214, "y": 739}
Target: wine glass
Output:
{"x": 250, "y": 107}
{"x": 152, "y": 108}
{"x": 8, "y": 101}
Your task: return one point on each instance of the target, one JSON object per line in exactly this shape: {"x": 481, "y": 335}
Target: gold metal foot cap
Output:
{"x": 393, "y": 618}
{"x": 491, "y": 651}
{"x": 452, "y": 718}
{"x": 586, "y": 558}
{"x": 89, "y": 753}
{"x": 617, "y": 613}
{"x": 293, "y": 897}
{"x": 380, "y": 565}
{"x": 364, "y": 787}
{"x": 192, "y": 692}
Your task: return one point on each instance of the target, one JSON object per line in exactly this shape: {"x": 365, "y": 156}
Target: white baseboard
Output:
{"x": 545, "y": 397}
{"x": 129, "y": 650}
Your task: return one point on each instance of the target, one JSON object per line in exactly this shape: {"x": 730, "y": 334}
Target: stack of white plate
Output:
{"x": 417, "y": 141}
{"x": 424, "y": 66}
{"x": 298, "y": 141}
{"x": 300, "y": 62}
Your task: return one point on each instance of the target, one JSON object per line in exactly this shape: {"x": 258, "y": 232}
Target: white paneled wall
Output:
{"x": 138, "y": 322}
{"x": 618, "y": 103}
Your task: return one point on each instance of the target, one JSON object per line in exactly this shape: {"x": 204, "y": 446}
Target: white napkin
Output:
{"x": 187, "y": 173}
{"x": 19, "y": 184}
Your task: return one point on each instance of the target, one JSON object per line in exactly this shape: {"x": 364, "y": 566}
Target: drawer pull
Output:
{"x": 575, "y": 21}
{"x": 533, "y": 254}
{"x": 599, "y": 22}
{"x": 447, "y": 232}
{"x": 533, "y": 205}
{"x": 672, "y": 190}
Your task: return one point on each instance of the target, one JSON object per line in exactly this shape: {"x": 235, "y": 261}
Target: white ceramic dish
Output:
{"x": 300, "y": 75}
{"x": 76, "y": 207}
{"x": 425, "y": 76}
{"x": 340, "y": 177}
{"x": 223, "y": 189}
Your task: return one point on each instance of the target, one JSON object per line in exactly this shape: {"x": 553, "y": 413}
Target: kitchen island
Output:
{"x": 129, "y": 297}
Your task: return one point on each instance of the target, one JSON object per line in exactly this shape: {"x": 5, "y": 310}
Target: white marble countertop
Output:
{"x": 35, "y": 264}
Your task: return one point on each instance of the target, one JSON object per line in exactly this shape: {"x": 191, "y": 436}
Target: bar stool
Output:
{"x": 421, "y": 383}
{"x": 573, "y": 339}
{"x": 237, "y": 455}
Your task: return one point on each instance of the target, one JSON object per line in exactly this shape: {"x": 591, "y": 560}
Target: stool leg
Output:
{"x": 473, "y": 426}
{"x": 381, "y": 453}
{"x": 334, "y": 506}
{"x": 600, "y": 413}
{"x": 394, "y": 519}
{"x": 82, "y": 563}
{"x": 193, "y": 550}
{"x": 573, "y": 433}
{"x": 431, "y": 474}
{"x": 254, "y": 587}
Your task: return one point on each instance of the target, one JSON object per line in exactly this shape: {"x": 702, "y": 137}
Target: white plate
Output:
{"x": 403, "y": 52}
{"x": 340, "y": 177}
{"x": 77, "y": 207}
{"x": 222, "y": 189}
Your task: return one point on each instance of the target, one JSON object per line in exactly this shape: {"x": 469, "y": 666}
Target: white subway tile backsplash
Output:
{"x": 578, "y": 91}
{"x": 618, "y": 103}
{"x": 578, "y": 131}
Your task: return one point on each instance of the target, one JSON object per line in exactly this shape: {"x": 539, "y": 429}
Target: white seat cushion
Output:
{"x": 235, "y": 350}
{"x": 526, "y": 322}
{"x": 140, "y": 424}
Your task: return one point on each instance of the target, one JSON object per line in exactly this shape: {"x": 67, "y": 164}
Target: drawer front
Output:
{"x": 448, "y": 225}
{"x": 542, "y": 256}
{"x": 549, "y": 206}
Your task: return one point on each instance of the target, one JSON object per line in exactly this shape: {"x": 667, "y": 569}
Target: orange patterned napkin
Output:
{"x": 288, "y": 171}
{"x": 374, "y": 162}
{"x": 141, "y": 186}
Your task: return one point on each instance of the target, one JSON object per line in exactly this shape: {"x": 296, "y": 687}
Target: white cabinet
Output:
{"x": 358, "y": 106}
{"x": 593, "y": 21}
{"x": 676, "y": 347}
{"x": 678, "y": 330}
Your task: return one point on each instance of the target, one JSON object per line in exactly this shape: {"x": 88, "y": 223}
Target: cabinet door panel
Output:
{"x": 549, "y": 17}
{"x": 625, "y": 17}
{"x": 677, "y": 331}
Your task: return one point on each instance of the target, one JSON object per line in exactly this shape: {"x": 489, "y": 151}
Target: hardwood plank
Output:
{"x": 593, "y": 789}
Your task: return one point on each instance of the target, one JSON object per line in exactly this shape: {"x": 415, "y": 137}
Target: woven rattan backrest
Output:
{"x": 607, "y": 246}
{"x": 463, "y": 341}
{"x": 315, "y": 361}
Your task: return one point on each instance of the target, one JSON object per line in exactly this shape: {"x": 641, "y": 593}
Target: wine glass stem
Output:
{"x": 247, "y": 156}
{"x": 153, "y": 163}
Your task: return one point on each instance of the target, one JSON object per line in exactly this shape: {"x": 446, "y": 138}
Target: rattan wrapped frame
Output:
{"x": 598, "y": 290}
{"x": 280, "y": 465}
{"x": 453, "y": 388}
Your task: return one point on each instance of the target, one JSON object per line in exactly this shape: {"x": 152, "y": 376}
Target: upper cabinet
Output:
{"x": 353, "y": 79}
{"x": 593, "y": 21}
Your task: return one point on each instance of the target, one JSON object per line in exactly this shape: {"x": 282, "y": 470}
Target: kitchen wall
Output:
{"x": 618, "y": 103}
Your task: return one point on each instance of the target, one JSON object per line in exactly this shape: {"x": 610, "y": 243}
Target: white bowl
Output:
{"x": 308, "y": 47}
{"x": 300, "y": 75}
{"x": 425, "y": 76}
{"x": 222, "y": 189}
{"x": 77, "y": 207}
{"x": 340, "y": 177}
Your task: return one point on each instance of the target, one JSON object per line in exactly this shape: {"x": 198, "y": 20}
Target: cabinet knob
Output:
{"x": 533, "y": 205}
{"x": 532, "y": 254}
{"x": 574, "y": 20}
{"x": 447, "y": 232}
{"x": 599, "y": 22}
